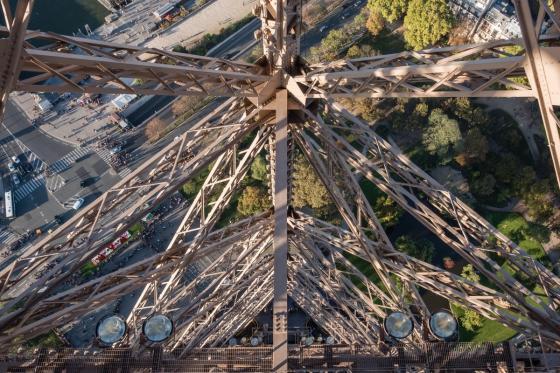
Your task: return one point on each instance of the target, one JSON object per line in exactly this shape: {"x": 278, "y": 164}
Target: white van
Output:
{"x": 79, "y": 202}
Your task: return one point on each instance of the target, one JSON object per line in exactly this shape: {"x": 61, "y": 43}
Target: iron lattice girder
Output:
{"x": 413, "y": 74}
{"x": 478, "y": 70}
{"x": 486, "y": 301}
{"x": 437, "y": 208}
{"x": 155, "y": 180}
{"x": 68, "y": 305}
{"x": 328, "y": 275}
{"x": 206, "y": 221}
{"x": 116, "y": 68}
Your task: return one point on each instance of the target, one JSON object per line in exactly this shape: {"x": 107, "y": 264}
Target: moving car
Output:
{"x": 116, "y": 149}
{"x": 87, "y": 182}
{"x": 79, "y": 202}
{"x": 15, "y": 179}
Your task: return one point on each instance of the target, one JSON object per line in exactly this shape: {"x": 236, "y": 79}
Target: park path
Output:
{"x": 526, "y": 114}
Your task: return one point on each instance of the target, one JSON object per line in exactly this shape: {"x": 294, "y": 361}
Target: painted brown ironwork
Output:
{"x": 213, "y": 282}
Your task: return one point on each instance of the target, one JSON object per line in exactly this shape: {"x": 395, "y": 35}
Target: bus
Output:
{"x": 9, "y": 205}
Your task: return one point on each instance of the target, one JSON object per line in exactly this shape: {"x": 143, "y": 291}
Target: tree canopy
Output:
{"x": 308, "y": 188}
{"x": 253, "y": 200}
{"x": 419, "y": 249}
{"x": 442, "y": 137}
{"x": 258, "y": 169}
{"x": 470, "y": 319}
{"x": 391, "y": 10}
{"x": 426, "y": 22}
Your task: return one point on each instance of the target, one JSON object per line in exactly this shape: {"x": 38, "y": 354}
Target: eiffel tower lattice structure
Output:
{"x": 284, "y": 258}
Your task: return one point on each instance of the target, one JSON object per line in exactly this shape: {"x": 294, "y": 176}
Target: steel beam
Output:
{"x": 11, "y": 47}
{"x": 543, "y": 70}
{"x": 389, "y": 163}
{"x": 280, "y": 244}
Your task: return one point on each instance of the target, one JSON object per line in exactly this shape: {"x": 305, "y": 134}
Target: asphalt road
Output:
{"x": 16, "y": 125}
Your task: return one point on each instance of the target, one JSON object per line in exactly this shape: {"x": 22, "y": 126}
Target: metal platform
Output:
{"x": 432, "y": 357}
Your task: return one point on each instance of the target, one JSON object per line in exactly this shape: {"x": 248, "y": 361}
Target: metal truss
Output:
{"x": 78, "y": 240}
{"x": 489, "y": 302}
{"x": 478, "y": 70}
{"x": 80, "y": 65}
{"x": 450, "y": 219}
{"x": 79, "y": 300}
{"x": 213, "y": 282}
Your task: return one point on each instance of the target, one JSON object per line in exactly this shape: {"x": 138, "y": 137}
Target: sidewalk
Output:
{"x": 78, "y": 125}
{"x": 211, "y": 19}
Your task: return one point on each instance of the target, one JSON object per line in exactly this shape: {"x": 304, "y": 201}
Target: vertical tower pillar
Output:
{"x": 280, "y": 243}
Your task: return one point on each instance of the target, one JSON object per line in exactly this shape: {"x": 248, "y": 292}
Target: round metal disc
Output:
{"x": 443, "y": 325}
{"x": 157, "y": 328}
{"x": 111, "y": 329}
{"x": 398, "y": 325}
{"x": 254, "y": 341}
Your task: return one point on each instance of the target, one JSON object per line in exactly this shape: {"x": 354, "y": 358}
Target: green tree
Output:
{"x": 258, "y": 169}
{"x": 309, "y": 190}
{"x": 253, "y": 200}
{"x": 538, "y": 200}
{"x": 375, "y": 22}
{"x": 391, "y": 10}
{"x": 483, "y": 186}
{"x": 421, "y": 109}
{"x": 419, "y": 249}
{"x": 475, "y": 146}
{"x": 507, "y": 168}
{"x": 357, "y": 51}
{"x": 470, "y": 319}
{"x": 426, "y": 22}
{"x": 442, "y": 137}
{"x": 387, "y": 211}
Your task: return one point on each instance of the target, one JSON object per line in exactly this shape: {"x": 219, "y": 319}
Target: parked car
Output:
{"x": 15, "y": 179}
{"x": 79, "y": 202}
{"x": 12, "y": 167}
{"x": 15, "y": 159}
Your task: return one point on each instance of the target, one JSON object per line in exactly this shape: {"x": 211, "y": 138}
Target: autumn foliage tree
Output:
{"x": 155, "y": 128}
{"x": 253, "y": 200}
{"x": 308, "y": 188}
{"x": 182, "y": 104}
{"x": 375, "y": 22}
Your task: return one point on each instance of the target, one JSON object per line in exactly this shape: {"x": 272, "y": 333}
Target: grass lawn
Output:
{"x": 48, "y": 340}
{"x": 386, "y": 42}
{"x": 529, "y": 236}
{"x": 490, "y": 331}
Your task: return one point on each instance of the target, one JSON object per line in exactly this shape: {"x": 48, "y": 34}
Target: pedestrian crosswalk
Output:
{"x": 29, "y": 187}
{"x": 124, "y": 172}
{"x": 66, "y": 162}
{"x": 7, "y": 237}
{"x": 105, "y": 154}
